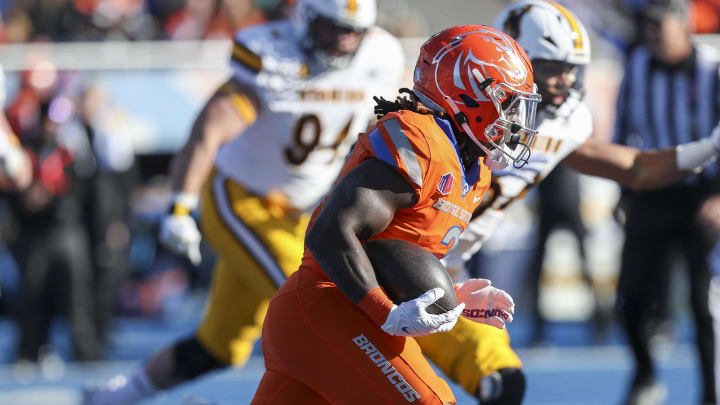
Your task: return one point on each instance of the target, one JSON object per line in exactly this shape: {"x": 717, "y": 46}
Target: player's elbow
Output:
{"x": 313, "y": 238}
{"x": 318, "y": 235}
{"x": 327, "y": 233}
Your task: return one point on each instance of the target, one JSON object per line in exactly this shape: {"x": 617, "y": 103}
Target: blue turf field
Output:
{"x": 568, "y": 374}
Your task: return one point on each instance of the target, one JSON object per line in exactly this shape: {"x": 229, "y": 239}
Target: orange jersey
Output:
{"x": 423, "y": 149}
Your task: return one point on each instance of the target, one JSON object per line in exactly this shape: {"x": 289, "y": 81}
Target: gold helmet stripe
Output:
{"x": 352, "y": 6}
{"x": 573, "y": 24}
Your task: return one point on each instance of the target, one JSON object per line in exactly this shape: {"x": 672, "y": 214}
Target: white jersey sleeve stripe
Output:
{"x": 244, "y": 235}
{"x": 405, "y": 150}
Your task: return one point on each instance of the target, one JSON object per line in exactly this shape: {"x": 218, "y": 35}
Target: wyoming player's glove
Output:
{"x": 485, "y": 304}
{"x": 180, "y": 234}
{"x": 179, "y": 231}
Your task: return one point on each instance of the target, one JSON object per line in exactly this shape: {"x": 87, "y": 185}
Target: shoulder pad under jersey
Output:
{"x": 259, "y": 47}
{"x": 399, "y": 140}
{"x": 574, "y": 115}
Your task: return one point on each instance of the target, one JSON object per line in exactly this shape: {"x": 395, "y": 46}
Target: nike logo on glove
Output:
{"x": 405, "y": 329}
{"x": 476, "y": 199}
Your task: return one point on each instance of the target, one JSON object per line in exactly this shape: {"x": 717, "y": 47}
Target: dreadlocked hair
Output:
{"x": 468, "y": 153}
{"x": 411, "y": 103}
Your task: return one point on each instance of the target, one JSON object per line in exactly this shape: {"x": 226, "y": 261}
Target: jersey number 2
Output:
{"x": 451, "y": 236}
{"x": 306, "y": 138}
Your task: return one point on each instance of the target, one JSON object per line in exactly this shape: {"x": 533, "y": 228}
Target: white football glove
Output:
{"x": 411, "y": 319}
{"x": 694, "y": 156}
{"x": 485, "y": 304}
{"x": 180, "y": 234}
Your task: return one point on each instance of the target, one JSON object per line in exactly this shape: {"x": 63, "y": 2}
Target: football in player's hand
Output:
{"x": 406, "y": 270}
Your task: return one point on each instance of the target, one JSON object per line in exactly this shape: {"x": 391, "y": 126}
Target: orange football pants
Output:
{"x": 320, "y": 348}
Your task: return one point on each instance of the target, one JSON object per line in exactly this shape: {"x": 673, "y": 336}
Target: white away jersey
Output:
{"x": 306, "y": 122}
{"x": 558, "y": 136}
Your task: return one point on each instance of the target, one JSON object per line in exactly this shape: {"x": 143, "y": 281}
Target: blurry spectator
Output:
{"x": 52, "y": 248}
{"x": 710, "y": 217}
{"x": 665, "y": 99}
{"x": 18, "y": 27}
{"x": 248, "y": 12}
{"x": 15, "y": 175}
{"x": 200, "y": 19}
{"x": 108, "y": 198}
{"x": 93, "y": 20}
{"x": 274, "y": 9}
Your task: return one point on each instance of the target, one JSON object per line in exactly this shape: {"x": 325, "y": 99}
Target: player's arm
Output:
{"x": 643, "y": 170}
{"x": 225, "y": 116}
{"x": 360, "y": 206}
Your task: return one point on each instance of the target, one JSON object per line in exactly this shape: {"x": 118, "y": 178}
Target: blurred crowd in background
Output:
{"x": 97, "y": 20}
{"x": 96, "y": 198}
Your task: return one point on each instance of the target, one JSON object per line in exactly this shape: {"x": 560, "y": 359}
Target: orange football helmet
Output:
{"x": 483, "y": 79}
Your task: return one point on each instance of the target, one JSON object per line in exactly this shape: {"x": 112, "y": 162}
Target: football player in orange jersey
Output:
{"x": 331, "y": 334}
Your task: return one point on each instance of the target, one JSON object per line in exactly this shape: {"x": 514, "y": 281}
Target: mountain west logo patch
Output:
{"x": 445, "y": 184}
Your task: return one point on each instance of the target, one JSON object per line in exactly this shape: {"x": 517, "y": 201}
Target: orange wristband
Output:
{"x": 376, "y": 304}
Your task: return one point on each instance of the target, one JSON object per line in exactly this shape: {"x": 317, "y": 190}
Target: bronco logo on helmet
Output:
{"x": 483, "y": 80}
{"x": 510, "y": 65}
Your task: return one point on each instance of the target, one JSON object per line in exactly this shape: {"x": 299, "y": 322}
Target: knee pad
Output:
{"x": 192, "y": 359}
{"x": 503, "y": 387}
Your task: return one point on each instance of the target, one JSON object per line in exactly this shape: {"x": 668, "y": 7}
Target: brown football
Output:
{"x": 406, "y": 270}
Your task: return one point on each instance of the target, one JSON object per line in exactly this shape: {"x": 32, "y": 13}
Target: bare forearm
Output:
{"x": 655, "y": 169}
{"x": 192, "y": 166}
{"x": 630, "y": 167}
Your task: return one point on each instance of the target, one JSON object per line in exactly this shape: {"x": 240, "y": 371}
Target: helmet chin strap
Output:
{"x": 496, "y": 159}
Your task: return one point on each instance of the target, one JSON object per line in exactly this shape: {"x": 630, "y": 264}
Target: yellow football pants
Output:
{"x": 259, "y": 245}
{"x": 469, "y": 352}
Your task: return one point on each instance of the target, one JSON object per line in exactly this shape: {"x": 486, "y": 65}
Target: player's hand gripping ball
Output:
{"x": 418, "y": 284}
{"x": 411, "y": 318}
